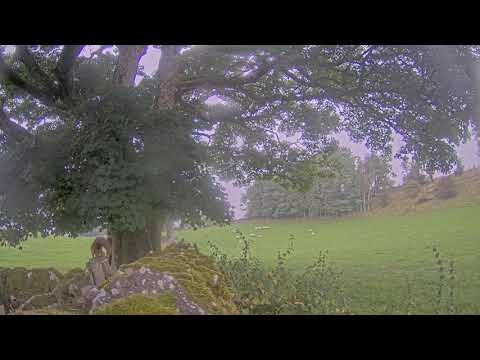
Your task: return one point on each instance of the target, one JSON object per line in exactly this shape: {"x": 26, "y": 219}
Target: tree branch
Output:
{"x": 10, "y": 75}
{"x": 65, "y": 64}
{"x": 127, "y": 65}
{"x": 13, "y": 131}
{"x": 28, "y": 59}
{"x": 99, "y": 50}
{"x": 253, "y": 77}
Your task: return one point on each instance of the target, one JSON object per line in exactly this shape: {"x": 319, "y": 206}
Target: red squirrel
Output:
{"x": 102, "y": 246}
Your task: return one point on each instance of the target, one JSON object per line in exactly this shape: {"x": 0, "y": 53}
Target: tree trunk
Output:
{"x": 128, "y": 58}
{"x": 114, "y": 251}
{"x": 156, "y": 227}
{"x": 129, "y": 246}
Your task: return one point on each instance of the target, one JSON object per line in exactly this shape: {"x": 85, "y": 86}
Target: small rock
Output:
{"x": 161, "y": 284}
{"x": 52, "y": 276}
{"x": 84, "y": 290}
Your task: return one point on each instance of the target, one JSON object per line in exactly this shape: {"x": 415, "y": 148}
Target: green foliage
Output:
{"x": 116, "y": 164}
{"x": 445, "y": 296}
{"x": 261, "y": 290}
{"x": 413, "y": 172}
{"x": 319, "y": 288}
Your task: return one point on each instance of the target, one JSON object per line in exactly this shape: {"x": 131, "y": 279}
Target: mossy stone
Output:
{"x": 195, "y": 272}
{"x": 139, "y": 304}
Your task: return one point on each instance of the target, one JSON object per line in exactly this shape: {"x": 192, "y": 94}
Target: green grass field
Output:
{"x": 62, "y": 253}
{"x": 378, "y": 254}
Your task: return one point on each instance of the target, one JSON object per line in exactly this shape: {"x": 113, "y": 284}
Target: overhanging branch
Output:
{"x": 28, "y": 59}
{"x": 128, "y": 58}
{"x": 253, "y": 77}
{"x": 10, "y": 75}
{"x": 65, "y": 65}
{"x": 13, "y": 131}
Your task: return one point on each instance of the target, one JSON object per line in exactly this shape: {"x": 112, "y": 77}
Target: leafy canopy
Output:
{"x": 82, "y": 146}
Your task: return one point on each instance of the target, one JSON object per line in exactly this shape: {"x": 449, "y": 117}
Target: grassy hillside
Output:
{"x": 467, "y": 187}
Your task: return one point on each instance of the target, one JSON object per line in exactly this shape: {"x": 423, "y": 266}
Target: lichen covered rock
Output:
{"x": 189, "y": 278}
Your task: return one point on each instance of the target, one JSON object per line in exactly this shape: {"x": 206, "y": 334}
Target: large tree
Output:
{"x": 83, "y": 146}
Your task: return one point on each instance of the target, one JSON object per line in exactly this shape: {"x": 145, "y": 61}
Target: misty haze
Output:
{"x": 239, "y": 179}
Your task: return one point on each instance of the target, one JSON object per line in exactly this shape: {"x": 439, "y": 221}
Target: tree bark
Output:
{"x": 167, "y": 78}
{"x": 128, "y": 58}
{"x": 129, "y": 246}
{"x": 156, "y": 237}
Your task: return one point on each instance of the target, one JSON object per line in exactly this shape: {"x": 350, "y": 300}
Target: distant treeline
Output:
{"x": 352, "y": 188}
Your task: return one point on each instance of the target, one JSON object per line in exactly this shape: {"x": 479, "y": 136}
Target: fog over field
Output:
{"x": 121, "y": 165}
